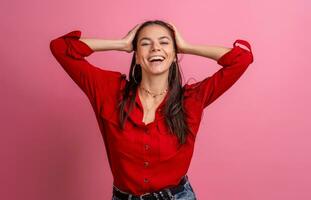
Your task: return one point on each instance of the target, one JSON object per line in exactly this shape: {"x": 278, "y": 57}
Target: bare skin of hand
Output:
{"x": 129, "y": 38}
{"x": 209, "y": 51}
{"x": 180, "y": 42}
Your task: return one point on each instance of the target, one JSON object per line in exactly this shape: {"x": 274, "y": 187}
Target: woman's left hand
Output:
{"x": 180, "y": 42}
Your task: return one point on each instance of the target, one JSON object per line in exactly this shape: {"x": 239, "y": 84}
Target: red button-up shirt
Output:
{"x": 144, "y": 157}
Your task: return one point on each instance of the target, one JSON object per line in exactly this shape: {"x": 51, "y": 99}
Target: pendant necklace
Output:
{"x": 152, "y": 94}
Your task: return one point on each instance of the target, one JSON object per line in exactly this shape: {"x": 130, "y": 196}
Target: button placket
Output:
{"x": 146, "y": 163}
{"x": 146, "y": 149}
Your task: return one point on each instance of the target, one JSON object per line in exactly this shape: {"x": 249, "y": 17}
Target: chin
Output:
{"x": 158, "y": 71}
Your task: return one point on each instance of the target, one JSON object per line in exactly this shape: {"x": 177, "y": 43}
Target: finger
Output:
{"x": 174, "y": 27}
{"x": 135, "y": 27}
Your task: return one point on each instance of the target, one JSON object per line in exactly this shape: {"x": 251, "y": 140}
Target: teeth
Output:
{"x": 156, "y": 58}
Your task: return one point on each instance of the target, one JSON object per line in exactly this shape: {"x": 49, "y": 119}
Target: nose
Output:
{"x": 155, "y": 46}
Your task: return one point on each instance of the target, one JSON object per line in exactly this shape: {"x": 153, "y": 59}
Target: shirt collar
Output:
{"x": 136, "y": 114}
{"x": 139, "y": 103}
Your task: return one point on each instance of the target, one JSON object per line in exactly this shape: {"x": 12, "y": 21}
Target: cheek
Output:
{"x": 142, "y": 53}
{"x": 171, "y": 55}
{"x": 170, "y": 51}
{"x": 140, "y": 56}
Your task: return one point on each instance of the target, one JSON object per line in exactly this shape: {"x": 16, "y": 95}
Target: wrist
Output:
{"x": 125, "y": 46}
{"x": 120, "y": 45}
{"x": 186, "y": 48}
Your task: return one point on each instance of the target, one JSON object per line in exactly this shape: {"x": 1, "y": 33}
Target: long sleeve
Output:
{"x": 70, "y": 52}
{"x": 234, "y": 63}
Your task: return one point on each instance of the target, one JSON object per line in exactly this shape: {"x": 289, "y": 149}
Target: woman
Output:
{"x": 149, "y": 122}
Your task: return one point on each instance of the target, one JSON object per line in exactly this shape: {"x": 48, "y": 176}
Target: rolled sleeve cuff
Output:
{"x": 76, "y": 48}
{"x": 228, "y": 57}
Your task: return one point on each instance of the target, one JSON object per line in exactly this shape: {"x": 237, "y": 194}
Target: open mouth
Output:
{"x": 156, "y": 59}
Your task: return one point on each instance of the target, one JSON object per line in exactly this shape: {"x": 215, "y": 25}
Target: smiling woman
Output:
{"x": 152, "y": 51}
{"x": 155, "y": 72}
{"x": 154, "y": 55}
{"x": 149, "y": 123}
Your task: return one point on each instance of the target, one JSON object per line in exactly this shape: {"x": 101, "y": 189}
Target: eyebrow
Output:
{"x": 146, "y": 38}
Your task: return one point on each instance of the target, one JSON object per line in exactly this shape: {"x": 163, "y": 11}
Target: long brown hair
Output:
{"x": 173, "y": 108}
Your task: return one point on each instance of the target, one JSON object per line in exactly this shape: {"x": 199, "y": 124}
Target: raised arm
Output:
{"x": 212, "y": 52}
{"x": 71, "y": 49}
{"x": 124, "y": 44}
{"x": 104, "y": 45}
{"x": 234, "y": 62}
{"x": 70, "y": 52}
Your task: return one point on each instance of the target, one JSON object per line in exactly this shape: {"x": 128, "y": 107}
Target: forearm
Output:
{"x": 209, "y": 51}
{"x": 104, "y": 45}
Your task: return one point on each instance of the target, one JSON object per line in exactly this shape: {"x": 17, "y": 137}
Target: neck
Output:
{"x": 155, "y": 84}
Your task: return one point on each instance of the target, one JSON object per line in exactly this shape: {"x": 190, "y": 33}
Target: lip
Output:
{"x": 156, "y": 55}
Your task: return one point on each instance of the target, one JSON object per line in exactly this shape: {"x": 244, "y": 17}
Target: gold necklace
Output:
{"x": 152, "y": 94}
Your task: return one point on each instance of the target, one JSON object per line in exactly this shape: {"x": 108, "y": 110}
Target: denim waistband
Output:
{"x": 186, "y": 177}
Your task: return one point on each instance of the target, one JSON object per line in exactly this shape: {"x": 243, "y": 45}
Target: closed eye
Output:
{"x": 144, "y": 44}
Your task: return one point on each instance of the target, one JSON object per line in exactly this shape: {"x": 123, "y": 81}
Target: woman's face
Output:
{"x": 155, "y": 49}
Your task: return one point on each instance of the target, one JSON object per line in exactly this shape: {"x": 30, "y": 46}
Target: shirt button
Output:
{"x": 146, "y": 163}
{"x": 147, "y": 146}
{"x": 146, "y": 131}
{"x": 146, "y": 180}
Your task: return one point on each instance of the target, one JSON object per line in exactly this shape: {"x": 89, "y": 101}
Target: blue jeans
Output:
{"x": 186, "y": 194}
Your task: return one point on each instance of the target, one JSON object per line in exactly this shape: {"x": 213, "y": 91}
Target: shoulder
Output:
{"x": 194, "y": 87}
{"x": 109, "y": 81}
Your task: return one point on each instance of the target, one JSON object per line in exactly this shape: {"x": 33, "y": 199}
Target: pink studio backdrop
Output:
{"x": 253, "y": 142}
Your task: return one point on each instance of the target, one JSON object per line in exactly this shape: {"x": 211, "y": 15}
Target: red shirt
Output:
{"x": 144, "y": 157}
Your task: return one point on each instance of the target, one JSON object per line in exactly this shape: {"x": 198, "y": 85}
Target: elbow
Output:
{"x": 53, "y": 45}
{"x": 247, "y": 57}
{"x": 245, "y": 50}
{"x": 57, "y": 46}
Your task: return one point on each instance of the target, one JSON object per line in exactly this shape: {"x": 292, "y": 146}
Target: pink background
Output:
{"x": 253, "y": 143}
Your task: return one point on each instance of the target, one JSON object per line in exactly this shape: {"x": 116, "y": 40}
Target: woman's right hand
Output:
{"x": 128, "y": 47}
